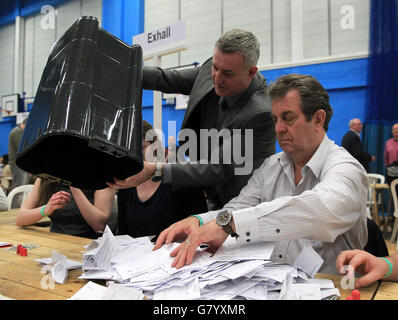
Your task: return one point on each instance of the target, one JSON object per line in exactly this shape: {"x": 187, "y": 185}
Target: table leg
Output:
{"x": 375, "y": 208}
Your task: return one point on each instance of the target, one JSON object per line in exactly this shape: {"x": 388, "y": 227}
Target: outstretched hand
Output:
{"x": 135, "y": 180}
{"x": 210, "y": 233}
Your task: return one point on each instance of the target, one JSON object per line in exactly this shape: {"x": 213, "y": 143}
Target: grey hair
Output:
{"x": 351, "y": 122}
{"x": 241, "y": 41}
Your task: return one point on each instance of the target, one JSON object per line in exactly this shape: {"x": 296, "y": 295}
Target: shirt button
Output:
{"x": 278, "y": 230}
{"x": 248, "y": 233}
{"x": 247, "y": 240}
{"x": 280, "y": 256}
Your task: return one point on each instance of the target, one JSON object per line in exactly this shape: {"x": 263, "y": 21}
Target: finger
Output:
{"x": 368, "y": 279}
{"x": 343, "y": 259}
{"x": 170, "y": 236}
{"x": 356, "y": 261}
{"x": 175, "y": 251}
{"x": 111, "y": 185}
{"x": 190, "y": 252}
{"x": 62, "y": 193}
{"x": 161, "y": 238}
{"x": 179, "y": 262}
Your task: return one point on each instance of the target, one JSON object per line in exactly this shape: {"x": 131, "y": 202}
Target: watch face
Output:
{"x": 223, "y": 218}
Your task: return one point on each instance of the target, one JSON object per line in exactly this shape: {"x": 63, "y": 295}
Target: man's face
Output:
{"x": 395, "y": 132}
{"x": 295, "y": 135}
{"x": 229, "y": 74}
{"x": 356, "y": 125}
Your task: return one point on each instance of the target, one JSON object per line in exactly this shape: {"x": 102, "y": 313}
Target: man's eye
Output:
{"x": 290, "y": 120}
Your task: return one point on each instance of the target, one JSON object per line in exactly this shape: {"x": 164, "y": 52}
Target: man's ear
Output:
{"x": 319, "y": 119}
{"x": 252, "y": 71}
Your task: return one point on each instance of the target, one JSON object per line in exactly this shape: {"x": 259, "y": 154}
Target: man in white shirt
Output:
{"x": 312, "y": 193}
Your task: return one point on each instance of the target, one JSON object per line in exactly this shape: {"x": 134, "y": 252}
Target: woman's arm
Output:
{"x": 30, "y": 212}
{"x": 98, "y": 214}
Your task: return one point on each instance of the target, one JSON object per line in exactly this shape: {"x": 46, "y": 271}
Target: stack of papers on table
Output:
{"x": 235, "y": 271}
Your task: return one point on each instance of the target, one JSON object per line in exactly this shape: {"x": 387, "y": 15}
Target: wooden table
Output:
{"x": 387, "y": 291}
{"x": 20, "y": 277}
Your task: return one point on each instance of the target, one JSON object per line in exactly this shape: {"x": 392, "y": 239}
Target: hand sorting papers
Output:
{"x": 235, "y": 271}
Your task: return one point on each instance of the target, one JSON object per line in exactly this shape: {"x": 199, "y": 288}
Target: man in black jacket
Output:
{"x": 227, "y": 94}
{"x": 352, "y": 143}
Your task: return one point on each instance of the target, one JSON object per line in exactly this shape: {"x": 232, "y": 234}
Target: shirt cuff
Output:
{"x": 246, "y": 224}
{"x": 167, "y": 173}
{"x": 209, "y": 216}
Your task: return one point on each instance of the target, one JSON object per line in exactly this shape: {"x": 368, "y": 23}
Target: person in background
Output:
{"x": 5, "y": 173}
{"x": 311, "y": 194}
{"x": 71, "y": 210}
{"x": 152, "y": 206}
{"x": 391, "y": 164}
{"x": 226, "y": 93}
{"x": 370, "y": 267}
{"x": 352, "y": 143}
{"x": 19, "y": 177}
{"x": 391, "y": 155}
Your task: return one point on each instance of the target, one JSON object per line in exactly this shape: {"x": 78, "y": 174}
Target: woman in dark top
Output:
{"x": 71, "y": 210}
{"x": 153, "y": 206}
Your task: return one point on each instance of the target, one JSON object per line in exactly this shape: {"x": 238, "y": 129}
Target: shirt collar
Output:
{"x": 317, "y": 160}
{"x": 233, "y": 101}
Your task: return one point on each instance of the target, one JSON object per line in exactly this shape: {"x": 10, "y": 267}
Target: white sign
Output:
{"x": 162, "y": 41}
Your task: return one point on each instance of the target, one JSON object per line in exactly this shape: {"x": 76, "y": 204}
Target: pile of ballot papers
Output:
{"x": 235, "y": 271}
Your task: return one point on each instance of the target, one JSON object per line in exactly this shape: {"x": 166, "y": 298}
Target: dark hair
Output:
{"x": 46, "y": 190}
{"x": 313, "y": 95}
{"x": 146, "y": 126}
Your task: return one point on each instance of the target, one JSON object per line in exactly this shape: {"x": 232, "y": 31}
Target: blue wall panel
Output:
{"x": 5, "y": 127}
{"x": 344, "y": 80}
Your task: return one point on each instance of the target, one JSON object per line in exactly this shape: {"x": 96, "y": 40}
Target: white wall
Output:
{"x": 270, "y": 20}
{"x": 38, "y": 41}
{"x": 7, "y": 34}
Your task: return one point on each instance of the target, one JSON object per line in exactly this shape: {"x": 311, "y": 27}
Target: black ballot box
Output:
{"x": 85, "y": 126}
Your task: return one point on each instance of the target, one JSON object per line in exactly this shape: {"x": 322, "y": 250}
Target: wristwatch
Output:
{"x": 157, "y": 174}
{"x": 224, "y": 220}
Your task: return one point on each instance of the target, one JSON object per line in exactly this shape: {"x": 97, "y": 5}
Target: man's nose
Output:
{"x": 280, "y": 126}
{"x": 218, "y": 77}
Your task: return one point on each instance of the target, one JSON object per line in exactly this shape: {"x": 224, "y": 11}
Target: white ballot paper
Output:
{"x": 100, "y": 252}
{"x": 72, "y": 264}
{"x": 308, "y": 261}
{"x": 59, "y": 271}
{"x": 90, "y": 291}
{"x": 235, "y": 271}
{"x": 114, "y": 291}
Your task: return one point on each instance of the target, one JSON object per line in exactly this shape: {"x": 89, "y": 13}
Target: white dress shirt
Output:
{"x": 327, "y": 209}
